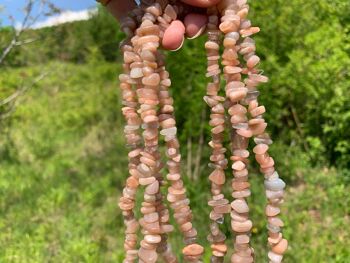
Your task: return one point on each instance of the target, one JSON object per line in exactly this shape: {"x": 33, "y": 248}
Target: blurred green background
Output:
{"x": 62, "y": 156}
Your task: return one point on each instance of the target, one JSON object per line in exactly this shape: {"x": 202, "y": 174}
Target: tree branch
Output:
{"x": 12, "y": 99}
{"x": 28, "y": 21}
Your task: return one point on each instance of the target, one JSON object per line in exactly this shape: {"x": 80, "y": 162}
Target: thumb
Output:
{"x": 201, "y": 3}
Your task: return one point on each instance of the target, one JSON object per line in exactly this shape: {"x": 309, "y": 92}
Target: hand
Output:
{"x": 192, "y": 26}
{"x": 201, "y": 3}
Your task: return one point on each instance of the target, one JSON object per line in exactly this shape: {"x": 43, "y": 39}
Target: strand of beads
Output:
{"x": 133, "y": 138}
{"x": 273, "y": 184}
{"x": 235, "y": 92}
{"x": 147, "y": 40}
{"x": 176, "y": 192}
{"x": 256, "y": 126}
{"x": 164, "y": 249}
{"x": 217, "y": 121}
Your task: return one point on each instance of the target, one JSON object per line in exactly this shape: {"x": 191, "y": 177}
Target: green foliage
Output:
{"x": 307, "y": 56}
{"x": 68, "y": 42}
{"x": 63, "y": 165}
{"x": 63, "y": 160}
{"x": 59, "y": 204}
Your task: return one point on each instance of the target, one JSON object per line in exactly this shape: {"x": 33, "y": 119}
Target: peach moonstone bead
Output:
{"x": 193, "y": 250}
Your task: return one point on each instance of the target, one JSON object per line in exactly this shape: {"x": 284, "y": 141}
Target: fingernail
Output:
{"x": 182, "y": 43}
{"x": 200, "y": 32}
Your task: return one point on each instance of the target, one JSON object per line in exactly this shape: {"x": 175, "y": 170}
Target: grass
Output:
{"x": 63, "y": 165}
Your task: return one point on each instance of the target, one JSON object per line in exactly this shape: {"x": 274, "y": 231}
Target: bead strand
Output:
{"x": 133, "y": 138}
{"x": 176, "y": 192}
{"x": 219, "y": 204}
{"x": 147, "y": 40}
{"x": 235, "y": 92}
{"x": 273, "y": 184}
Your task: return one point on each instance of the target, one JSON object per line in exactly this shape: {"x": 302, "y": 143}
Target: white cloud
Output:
{"x": 65, "y": 17}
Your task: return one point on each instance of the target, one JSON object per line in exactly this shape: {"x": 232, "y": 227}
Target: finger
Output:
{"x": 201, "y": 3}
{"x": 195, "y": 25}
{"x": 174, "y": 36}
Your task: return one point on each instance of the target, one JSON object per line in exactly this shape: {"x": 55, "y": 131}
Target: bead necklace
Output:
{"x": 149, "y": 112}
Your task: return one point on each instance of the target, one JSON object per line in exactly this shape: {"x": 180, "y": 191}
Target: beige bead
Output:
{"x": 193, "y": 250}
{"x": 238, "y": 166}
{"x": 152, "y": 188}
{"x": 240, "y": 205}
{"x": 149, "y": 256}
{"x": 239, "y": 217}
{"x": 249, "y": 31}
{"x": 242, "y": 239}
{"x": 170, "y": 11}
{"x": 151, "y": 80}
{"x": 238, "y": 95}
{"x": 219, "y": 247}
{"x": 275, "y": 221}
{"x": 239, "y": 186}
{"x": 150, "y": 218}
{"x": 239, "y": 259}
{"x": 241, "y": 194}
{"x": 228, "y": 26}
{"x": 241, "y": 227}
{"x": 232, "y": 70}
{"x": 274, "y": 238}
{"x": 272, "y": 210}
{"x": 222, "y": 209}
{"x": 217, "y": 176}
{"x": 211, "y": 45}
{"x": 153, "y": 239}
{"x": 260, "y": 148}
{"x": 253, "y": 61}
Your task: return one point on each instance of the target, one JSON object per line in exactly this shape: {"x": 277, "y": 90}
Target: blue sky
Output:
{"x": 13, "y": 7}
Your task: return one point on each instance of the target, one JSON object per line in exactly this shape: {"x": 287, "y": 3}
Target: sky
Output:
{"x": 14, "y": 8}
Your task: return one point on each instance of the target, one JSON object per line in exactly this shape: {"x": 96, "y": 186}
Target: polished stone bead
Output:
{"x": 149, "y": 256}
{"x": 275, "y": 184}
{"x": 217, "y": 176}
{"x": 281, "y": 247}
{"x": 193, "y": 250}
{"x": 241, "y": 227}
{"x": 152, "y": 239}
{"x": 275, "y": 258}
{"x": 240, "y": 205}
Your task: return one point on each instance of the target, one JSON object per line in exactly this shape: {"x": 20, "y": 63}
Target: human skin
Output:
{"x": 193, "y": 23}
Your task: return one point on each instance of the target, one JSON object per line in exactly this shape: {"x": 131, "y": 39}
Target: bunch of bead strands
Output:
{"x": 149, "y": 57}
{"x": 157, "y": 210}
{"x": 220, "y": 205}
{"x": 176, "y": 192}
{"x": 273, "y": 184}
{"x": 235, "y": 92}
{"x": 146, "y": 43}
{"x": 144, "y": 74}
